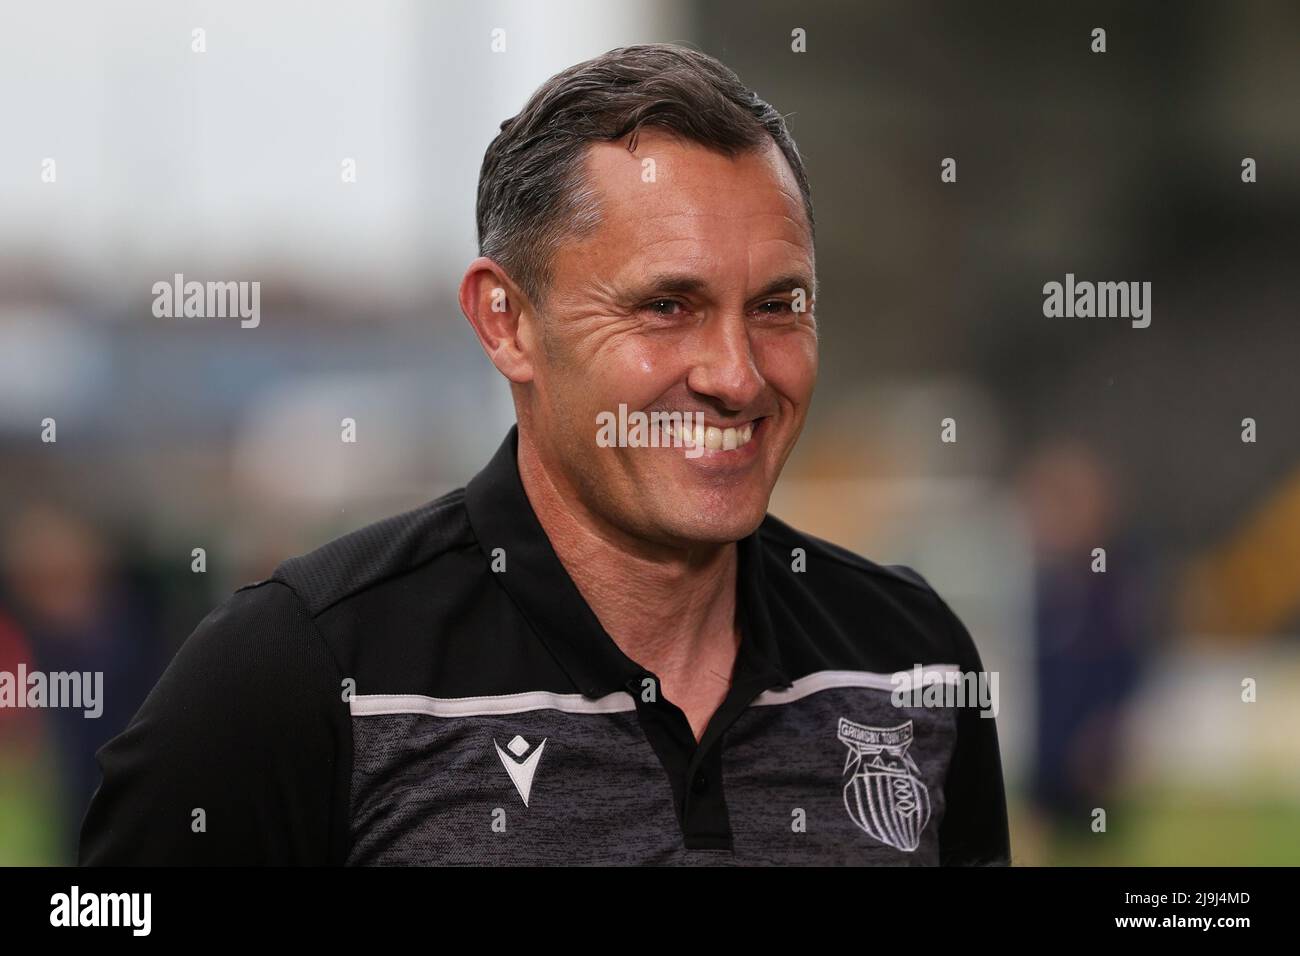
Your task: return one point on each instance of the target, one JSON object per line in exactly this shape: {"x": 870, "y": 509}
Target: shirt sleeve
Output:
{"x": 240, "y": 755}
{"x": 974, "y": 830}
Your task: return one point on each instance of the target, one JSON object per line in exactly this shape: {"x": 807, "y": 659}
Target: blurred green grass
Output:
{"x": 1177, "y": 828}
{"x": 27, "y": 814}
{"x": 1165, "y": 828}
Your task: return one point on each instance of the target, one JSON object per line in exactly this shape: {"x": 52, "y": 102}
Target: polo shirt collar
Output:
{"x": 535, "y": 579}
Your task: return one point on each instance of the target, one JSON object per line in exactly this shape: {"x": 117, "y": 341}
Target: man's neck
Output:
{"x": 673, "y": 611}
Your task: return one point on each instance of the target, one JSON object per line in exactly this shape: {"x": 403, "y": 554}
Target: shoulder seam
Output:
{"x": 335, "y": 853}
{"x": 448, "y": 501}
{"x": 790, "y": 533}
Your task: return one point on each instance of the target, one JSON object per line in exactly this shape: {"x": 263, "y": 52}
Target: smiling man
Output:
{"x": 597, "y": 651}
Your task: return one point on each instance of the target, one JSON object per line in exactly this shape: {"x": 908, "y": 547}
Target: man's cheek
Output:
{"x": 805, "y": 372}
{"x": 792, "y": 379}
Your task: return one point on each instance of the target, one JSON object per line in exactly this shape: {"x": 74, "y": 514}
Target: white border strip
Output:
{"x": 373, "y": 705}
{"x": 833, "y": 680}
{"x": 620, "y": 702}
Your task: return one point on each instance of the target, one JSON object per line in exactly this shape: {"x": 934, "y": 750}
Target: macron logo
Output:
{"x": 520, "y": 768}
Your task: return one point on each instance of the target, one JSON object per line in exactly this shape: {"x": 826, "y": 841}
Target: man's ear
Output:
{"x": 502, "y": 318}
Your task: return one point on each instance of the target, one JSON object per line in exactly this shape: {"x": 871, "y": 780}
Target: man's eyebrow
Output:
{"x": 679, "y": 283}
{"x": 685, "y": 283}
{"x": 788, "y": 283}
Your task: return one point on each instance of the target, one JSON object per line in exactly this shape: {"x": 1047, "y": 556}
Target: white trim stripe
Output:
{"x": 620, "y": 702}
{"x": 832, "y": 680}
{"x": 373, "y": 705}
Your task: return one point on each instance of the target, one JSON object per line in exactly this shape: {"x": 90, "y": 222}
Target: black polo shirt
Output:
{"x": 434, "y": 689}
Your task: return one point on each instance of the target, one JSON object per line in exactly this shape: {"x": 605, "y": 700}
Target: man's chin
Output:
{"x": 712, "y": 529}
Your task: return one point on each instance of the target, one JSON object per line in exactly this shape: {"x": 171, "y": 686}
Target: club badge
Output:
{"x": 884, "y": 794}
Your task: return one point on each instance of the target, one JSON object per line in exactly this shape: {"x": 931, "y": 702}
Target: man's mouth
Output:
{"x": 692, "y": 434}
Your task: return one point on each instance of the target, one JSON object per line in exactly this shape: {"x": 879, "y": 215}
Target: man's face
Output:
{"x": 683, "y": 299}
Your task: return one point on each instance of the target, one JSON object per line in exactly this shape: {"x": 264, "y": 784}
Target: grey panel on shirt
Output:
{"x": 428, "y": 789}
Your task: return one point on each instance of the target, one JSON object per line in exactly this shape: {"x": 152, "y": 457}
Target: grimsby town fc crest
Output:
{"x": 884, "y": 793}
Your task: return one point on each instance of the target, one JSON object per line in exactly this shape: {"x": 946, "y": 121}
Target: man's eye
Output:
{"x": 663, "y": 307}
{"x": 774, "y": 307}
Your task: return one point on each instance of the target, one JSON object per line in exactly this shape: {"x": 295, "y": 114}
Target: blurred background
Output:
{"x": 1121, "y": 690}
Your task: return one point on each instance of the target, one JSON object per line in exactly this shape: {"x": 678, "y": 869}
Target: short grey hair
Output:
{"x": 532, "y": 189}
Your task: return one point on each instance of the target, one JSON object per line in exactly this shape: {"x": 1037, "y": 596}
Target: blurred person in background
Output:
{"x": 72, "y": 612}
{"x": 1092, "y": 628}
{"x": 23, "y": 774}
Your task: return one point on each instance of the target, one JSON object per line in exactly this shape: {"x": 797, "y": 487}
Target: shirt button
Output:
{"x": 700, "y": 783}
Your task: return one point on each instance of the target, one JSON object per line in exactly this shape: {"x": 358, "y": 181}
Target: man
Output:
{"x": 599, "y": 650}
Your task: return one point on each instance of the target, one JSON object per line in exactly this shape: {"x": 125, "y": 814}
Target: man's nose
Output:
{"x": 722, "y": 362}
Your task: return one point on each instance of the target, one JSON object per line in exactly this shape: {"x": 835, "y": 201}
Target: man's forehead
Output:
{"x": 667, "y": 176}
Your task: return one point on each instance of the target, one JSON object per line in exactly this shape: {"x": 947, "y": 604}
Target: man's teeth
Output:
{"x": 712, "y": 437}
